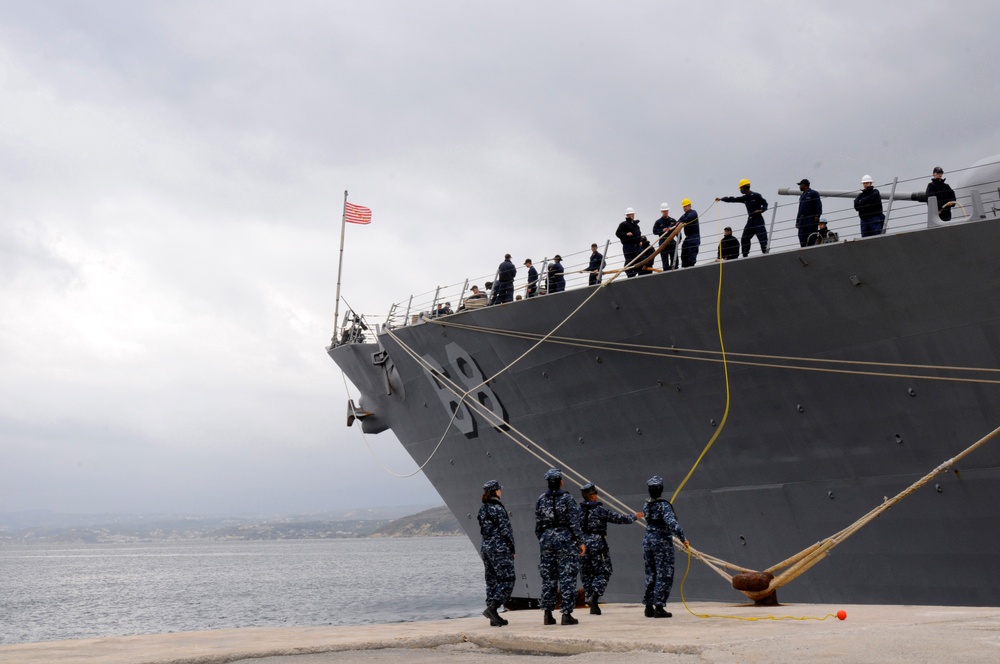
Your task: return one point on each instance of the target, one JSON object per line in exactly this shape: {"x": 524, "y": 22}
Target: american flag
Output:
{"x": 357, "y": 214}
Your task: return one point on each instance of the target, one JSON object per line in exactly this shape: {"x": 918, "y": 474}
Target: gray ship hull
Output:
{"x": 807, "y": 448}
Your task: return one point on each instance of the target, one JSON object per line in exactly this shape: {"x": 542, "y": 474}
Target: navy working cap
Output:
{"x": 553, "y": 474}
{"x": 588, "y": 488}
{"x": 492, "y": 485}
{"x": 655, "y": 480}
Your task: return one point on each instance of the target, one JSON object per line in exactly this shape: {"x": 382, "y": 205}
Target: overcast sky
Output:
{"x": 172, "y": 176}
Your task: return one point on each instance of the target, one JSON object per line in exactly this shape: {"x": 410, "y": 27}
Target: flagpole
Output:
{"x": 340, "y": 265}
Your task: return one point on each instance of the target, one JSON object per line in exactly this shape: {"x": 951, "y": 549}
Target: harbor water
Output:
{"x": 72, "y": 591}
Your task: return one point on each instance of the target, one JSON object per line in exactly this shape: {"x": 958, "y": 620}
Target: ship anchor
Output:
{"x": 355, "y": 413}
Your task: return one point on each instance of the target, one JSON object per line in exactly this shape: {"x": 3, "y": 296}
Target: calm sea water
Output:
{"x": 78, "y": 591}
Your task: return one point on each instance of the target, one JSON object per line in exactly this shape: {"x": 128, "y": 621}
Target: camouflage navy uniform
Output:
{"x": 557, "y": 526}
{"x": 658, "y": 550}
{"x": 595, "y": 566}
{"x": 497, "y": 551}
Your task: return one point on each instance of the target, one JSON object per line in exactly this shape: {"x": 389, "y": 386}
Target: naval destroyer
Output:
{"x": 828, "y": 379}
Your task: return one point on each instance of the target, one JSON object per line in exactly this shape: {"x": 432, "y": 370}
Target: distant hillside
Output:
{"x": 46, "y": 527}
{"x": 436, "y": 522}
{"x": 124, "y": 528}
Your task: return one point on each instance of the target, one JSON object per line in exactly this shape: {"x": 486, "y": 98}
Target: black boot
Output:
{"x": 568, "y": 619}
{"x": 548, "y": 620}
{"x": 491, "y": 613}
{"x": 594, "y": 607}
{"x": 649, "y": 611}
{"x": 660, "y": 613}
{"x": 496, "y": 609}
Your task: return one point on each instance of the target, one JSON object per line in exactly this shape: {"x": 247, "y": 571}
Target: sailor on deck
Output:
{"x": 505, "y": 281}
{"x": 531, "y": 290}
{"x": 663, "y": 225}
{"x": 729, "y": 247}
{"x": 869, "y": 207}
{"x": 595, "y": 266}
{"x": 692, "y": 234}
{"x": 556, "y": 280}
{"x": 557, "y": 526}
{"x": 941, "y": 190}
{"x": 631, "y": 237}
{"x": 810, "y": 210}
{"x": 756, "y": 205}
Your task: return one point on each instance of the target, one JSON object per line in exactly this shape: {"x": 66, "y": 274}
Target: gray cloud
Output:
{"x": 172, "y": 178}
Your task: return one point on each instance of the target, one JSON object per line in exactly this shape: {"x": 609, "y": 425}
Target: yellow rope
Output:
{"x": 725, "y": 369}
{"x": 744, "y": 618}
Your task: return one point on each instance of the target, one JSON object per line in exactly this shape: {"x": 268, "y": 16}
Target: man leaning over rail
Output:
{"x": 756, "y": 206}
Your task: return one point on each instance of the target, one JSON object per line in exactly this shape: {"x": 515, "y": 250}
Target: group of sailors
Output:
{"x": 639, "y": 252}
{"x": 868, "y": 205}
{"x": 572, "y": 541}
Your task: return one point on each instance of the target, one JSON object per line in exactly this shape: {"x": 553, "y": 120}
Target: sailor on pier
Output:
{"x": 560, "y": 538}
{"x": 595, "y": 566}
{"x": 497, "y": 551}
{"x": 658, "y": 548}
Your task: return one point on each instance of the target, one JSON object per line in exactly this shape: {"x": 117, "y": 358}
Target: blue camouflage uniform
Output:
{"x": 595, "y": 566}
{"x": 557, "y": 526}
{"x": 658, "y": 550}
{"x": 497, "y": 551}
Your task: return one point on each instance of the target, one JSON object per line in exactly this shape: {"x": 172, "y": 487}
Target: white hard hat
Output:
{"x": 629, "y": 211}
{"x": 664, "y": 207}
{"x": 866, "y": 178}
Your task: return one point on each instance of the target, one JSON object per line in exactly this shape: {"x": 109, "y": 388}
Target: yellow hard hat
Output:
{"x": 744, "y": 183}
{"x": 686, "y": 201}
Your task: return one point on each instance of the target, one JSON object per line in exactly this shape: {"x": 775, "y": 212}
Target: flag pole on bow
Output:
{"x": 353, "y": 214}
{"x": 340, "y": 265}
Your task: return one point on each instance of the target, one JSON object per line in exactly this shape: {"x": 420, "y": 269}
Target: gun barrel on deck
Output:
{"x": 918, "y": 196}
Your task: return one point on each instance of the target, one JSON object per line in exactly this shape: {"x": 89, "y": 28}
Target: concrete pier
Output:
{"x": 622, "y": 633}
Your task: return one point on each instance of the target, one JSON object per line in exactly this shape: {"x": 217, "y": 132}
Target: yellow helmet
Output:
{"x": 744, "y": 183}
{"x": 686, "y": 201}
